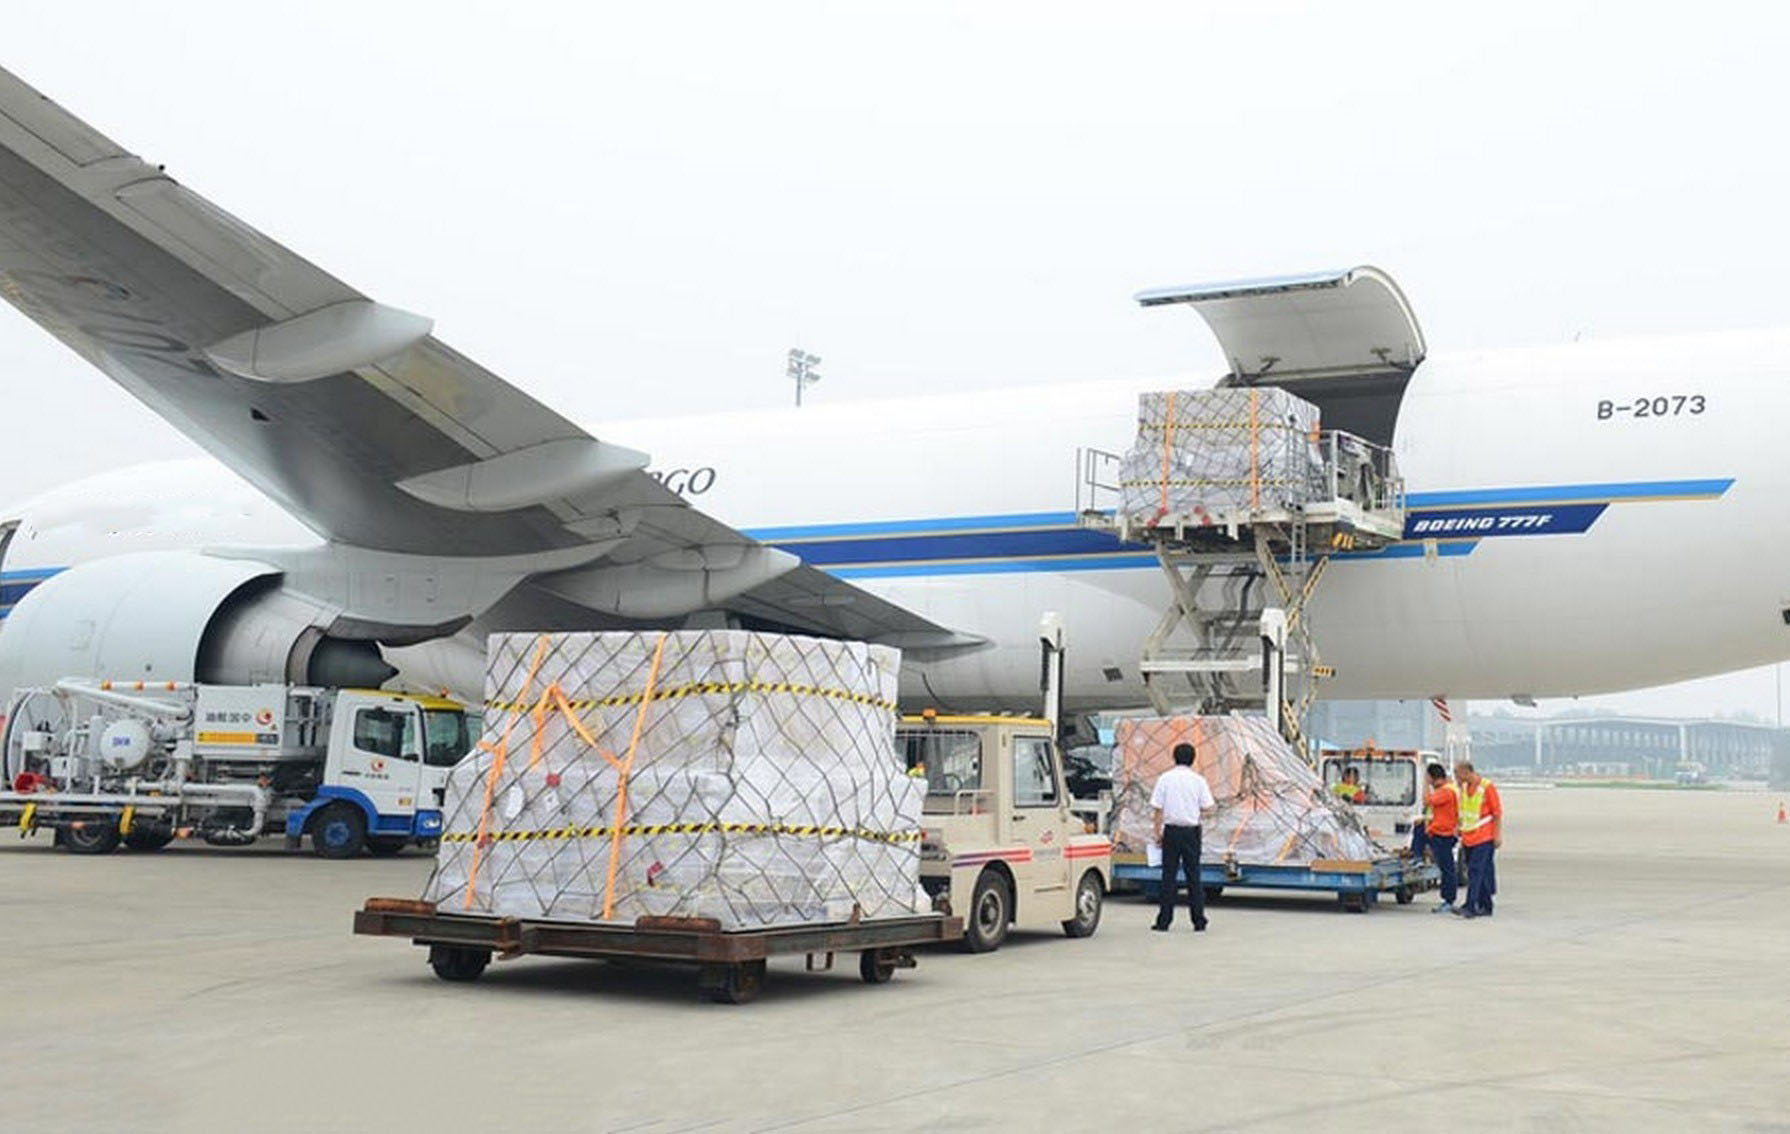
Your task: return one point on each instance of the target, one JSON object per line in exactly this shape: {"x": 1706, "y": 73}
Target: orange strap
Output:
{"x": 1237, "y": 834}
{"x": 621, "y": 788}
{"x": 1168, "y": 445}
{"x": 1255, "y": 438}
{"x": 1286, "y": 848}
{"x": 499, "y": 757}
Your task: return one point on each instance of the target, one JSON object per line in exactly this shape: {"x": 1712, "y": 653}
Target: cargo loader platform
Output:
{"x": 730, "y": 963}
{"x": 1356, "y": 884}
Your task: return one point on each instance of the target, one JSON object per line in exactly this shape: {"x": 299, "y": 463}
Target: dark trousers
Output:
{"x": 1442, "y": 850}
{"x": 1482, "y": 881}
{"x": 1181, "y": 848}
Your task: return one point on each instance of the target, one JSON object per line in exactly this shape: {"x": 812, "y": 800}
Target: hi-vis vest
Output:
{"x": 1429, "y": 813}
{"x": 1472, "y": 803}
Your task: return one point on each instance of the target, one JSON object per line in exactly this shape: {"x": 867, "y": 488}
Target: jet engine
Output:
{"x": 178, "y": 616}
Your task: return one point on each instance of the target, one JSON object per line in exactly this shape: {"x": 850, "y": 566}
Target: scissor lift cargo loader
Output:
{"x": 1234, "y": 634}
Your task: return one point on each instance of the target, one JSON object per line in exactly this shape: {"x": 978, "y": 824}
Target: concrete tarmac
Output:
{"x": 1636, "y": 976}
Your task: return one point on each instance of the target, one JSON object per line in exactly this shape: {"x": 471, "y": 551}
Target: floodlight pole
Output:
{"x": 800, "y": 370}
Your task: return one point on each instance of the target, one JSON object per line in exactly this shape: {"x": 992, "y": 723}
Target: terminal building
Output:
{"x": 1602, "y": 745}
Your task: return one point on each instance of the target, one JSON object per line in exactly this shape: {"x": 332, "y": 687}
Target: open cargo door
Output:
{"x": 1344, "y": 340}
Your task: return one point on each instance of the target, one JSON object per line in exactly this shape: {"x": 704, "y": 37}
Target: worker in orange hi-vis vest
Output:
{"x": 1482, "y": 833}
{"x": 1440, "y": 827}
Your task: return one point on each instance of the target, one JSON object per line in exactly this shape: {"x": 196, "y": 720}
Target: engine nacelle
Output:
{"x": 178, "y": 616}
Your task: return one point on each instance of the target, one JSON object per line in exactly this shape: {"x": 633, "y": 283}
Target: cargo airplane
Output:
{"x": 1584, "y": 518}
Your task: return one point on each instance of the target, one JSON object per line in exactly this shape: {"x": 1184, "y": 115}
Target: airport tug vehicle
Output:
{"x": 138, "y": 764}
{"x": 1001, "y": 845}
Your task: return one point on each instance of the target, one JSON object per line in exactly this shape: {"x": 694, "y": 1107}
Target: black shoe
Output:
{"x": 1160, "y": 928}
{"x": 1199, "y": 927}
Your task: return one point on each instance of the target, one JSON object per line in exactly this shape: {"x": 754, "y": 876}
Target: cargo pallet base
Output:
{"x": 730, "y": 964}
{"x": 1356, "y": 884}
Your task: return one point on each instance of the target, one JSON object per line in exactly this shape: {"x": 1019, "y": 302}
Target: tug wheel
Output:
{"x": 991, "y": 912}
{"x": 1088, "y": 897}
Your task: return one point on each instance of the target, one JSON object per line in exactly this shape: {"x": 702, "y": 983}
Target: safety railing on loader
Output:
{"x": 1352, "y": 485}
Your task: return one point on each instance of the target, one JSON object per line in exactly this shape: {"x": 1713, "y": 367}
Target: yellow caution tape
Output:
{"x": 1232, "y": 482}
{"x": 709, "y": 689}
{"x": 1241, "y": 426}
{"x": 651, "y": 829}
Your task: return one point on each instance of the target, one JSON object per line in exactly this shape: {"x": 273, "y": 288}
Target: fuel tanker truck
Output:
{"x": 108, "y": 764}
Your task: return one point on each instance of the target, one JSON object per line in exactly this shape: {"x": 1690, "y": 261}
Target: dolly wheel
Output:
{"x": 737, "y": 984}
{"x": 876, "y": 967}
{"x": 1403, "y": 895}
{"x": 457, "y": 962}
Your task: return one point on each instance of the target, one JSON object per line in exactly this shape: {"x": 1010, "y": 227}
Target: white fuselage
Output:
{"x": 1581, "y": 544}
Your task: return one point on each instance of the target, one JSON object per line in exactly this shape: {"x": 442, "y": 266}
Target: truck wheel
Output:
{"x": 386, "y": 847}
{"x": 991, "y": 911}
{"x": 457, "y": 962}
{"x": 339, "y": 831}
{"x": 1088, "y": 898}
{"x": 148, "y": 839}
{"x": 90, "y": 836}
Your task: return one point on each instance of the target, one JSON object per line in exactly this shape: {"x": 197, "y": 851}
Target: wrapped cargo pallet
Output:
{"x": 1206, "y": 454}
{"x": 749, "y": 778}
{"x": 1272, "y": 807}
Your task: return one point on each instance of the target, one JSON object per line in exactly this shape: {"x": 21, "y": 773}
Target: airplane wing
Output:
{"x": 350, "y": 414}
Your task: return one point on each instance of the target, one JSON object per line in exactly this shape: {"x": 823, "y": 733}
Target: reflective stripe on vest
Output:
{"x": 1471, "y": 803}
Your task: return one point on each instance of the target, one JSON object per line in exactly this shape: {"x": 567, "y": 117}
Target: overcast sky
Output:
{"x": 634, "y": 210}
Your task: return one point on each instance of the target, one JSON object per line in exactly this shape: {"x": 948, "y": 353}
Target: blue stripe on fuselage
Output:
{"x": 1052, "y": 541}
{"x": 1010, "y": 542}
{"x": 1572, "y": 493}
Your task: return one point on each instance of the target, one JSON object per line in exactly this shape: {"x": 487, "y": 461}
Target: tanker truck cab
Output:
{"x": 385, "y": 775}
{"x": 1000, "y": 847}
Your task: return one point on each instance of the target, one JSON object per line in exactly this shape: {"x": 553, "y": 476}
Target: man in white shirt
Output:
{"x": 1182, "y": 797}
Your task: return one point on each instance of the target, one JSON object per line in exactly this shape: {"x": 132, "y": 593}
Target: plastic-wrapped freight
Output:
{"x": 1272, "y": 808}
{"x": 750, "y": 778}
{"x": 1203, "y": 454}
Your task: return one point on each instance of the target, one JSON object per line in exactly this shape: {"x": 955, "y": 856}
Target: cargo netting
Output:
{"x": 1272, "y": 807}
{"x": 749, "y": 778}
{"x": 1203, "y": 455}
